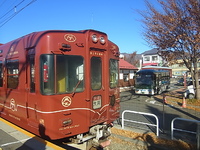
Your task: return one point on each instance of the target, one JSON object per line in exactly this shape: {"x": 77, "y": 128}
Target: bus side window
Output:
{"x": 1, "y": 74}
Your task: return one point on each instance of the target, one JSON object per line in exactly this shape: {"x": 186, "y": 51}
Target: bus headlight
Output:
{"x": 102, "y": 40}
{"x": 94, "y": 38}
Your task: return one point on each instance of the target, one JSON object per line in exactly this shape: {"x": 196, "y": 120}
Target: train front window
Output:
{"x": 96, "y": 73}
{"x": 113, "y": 73}
{"x": 61, "y": 74}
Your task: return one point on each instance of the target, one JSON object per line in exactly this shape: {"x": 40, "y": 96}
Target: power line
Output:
{"x": 9, "y": 3}
{"x": 11, "y": 9}
{"x": 2, "y": 23}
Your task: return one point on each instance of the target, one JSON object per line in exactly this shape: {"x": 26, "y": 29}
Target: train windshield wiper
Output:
{"x": 79, "y": 81}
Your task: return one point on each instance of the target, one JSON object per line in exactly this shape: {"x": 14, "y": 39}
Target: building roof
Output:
{"x": 126, "y": 65}
{"x": 151, "y": 52}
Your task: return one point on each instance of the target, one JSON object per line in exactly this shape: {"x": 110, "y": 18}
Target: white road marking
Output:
{"x": 20, "y": 141}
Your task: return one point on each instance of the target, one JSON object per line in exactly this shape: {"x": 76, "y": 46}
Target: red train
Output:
{"x": 61, "y": 84}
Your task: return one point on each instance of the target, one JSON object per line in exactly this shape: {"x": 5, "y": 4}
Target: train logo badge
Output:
{"x": 66, "y": 101}
{"x": 12, "y": 105}
{"x": 70, "y": 38}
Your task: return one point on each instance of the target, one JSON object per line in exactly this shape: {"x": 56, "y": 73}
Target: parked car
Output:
{"x": 189, "y": 92}
{"x": 180, "y": 81}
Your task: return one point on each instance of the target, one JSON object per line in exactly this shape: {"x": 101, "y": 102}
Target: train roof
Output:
{"x": 35, "y": 36}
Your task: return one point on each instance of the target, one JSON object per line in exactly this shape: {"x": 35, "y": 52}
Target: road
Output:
{"x": 165, "y": 113}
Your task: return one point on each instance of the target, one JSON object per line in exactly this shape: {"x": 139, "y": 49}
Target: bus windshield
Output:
{"x": 61, "y": 73}
{"x": 142, "y": 80}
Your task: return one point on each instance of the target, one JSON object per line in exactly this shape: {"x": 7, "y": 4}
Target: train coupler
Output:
{"x": 97, "y": 136}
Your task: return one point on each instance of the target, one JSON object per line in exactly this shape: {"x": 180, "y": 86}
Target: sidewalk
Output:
{"x": 175, "y": 98}
{"x": 13, "y": 137}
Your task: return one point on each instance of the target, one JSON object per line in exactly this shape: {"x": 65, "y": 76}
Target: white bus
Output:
{"x": 150, "y": 82}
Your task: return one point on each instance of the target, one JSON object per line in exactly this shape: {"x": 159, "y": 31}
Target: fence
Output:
{"x": 141, "y": 113}
{"x": 181, "y": 130}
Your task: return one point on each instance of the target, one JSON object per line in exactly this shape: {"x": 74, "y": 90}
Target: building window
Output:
{"x": 154, "y": 58}
{"x": 146, "y": 58}
{"x": 198, "y": 64}
{"x": 126, "y": 71}
{"x": 125, "y": 77}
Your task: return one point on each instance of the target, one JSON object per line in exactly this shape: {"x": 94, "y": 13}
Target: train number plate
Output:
{"x": 97, "y": 102}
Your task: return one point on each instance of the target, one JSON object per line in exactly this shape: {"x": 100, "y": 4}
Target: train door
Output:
{"x": 97, "y": 87}
{"x": 30, "y": 90}
{"x": 2, "y": 88}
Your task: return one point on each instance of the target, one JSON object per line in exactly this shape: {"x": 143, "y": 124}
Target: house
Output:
{"x": 127, "y": 72}
{"x": 151, "y": 58}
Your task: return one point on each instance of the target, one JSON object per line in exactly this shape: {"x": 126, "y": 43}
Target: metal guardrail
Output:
{"x": 181, "y": 130}
{"x": 141, "y": 113}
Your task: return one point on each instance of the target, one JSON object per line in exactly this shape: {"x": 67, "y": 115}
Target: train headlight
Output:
{"x": 67, "y": 122}
{"x": 94, "y": 38}
{"x": 102, "y": 40}
{"x": 112, "y": 100}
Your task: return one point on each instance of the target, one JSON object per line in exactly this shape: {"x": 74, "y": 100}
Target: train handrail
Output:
{"x": 181, "y": 130}
{"x": 141, "y": 113}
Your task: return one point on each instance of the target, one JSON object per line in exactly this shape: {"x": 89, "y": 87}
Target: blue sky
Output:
{"x": 117, "y": 18}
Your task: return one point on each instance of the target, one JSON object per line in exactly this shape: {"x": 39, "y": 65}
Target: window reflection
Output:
{"x": 113, "y": 73}
{"x": 96, "y": 73}
{"x": 61, "y": 74}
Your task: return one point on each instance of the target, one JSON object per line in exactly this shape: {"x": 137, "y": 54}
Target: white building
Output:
{"x": 151, "y": 58}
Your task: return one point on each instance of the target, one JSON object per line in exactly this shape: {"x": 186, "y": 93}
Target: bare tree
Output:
{"x": 174, "y": 27}
{"x": 132, "y": 59}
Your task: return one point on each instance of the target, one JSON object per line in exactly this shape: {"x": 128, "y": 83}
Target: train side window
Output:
{"x": 12, "y": 73}
{"x": 32, "y": 74}
{"x": 47, "y": 74}
{"x": 96, "y": 73}
{"x": 1, "y": 74}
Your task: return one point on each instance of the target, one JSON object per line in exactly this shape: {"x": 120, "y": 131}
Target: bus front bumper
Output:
{"x": 144, "y": 91}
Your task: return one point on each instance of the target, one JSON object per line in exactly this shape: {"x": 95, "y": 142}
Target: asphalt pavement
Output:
{"x": 165, "y": 113}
